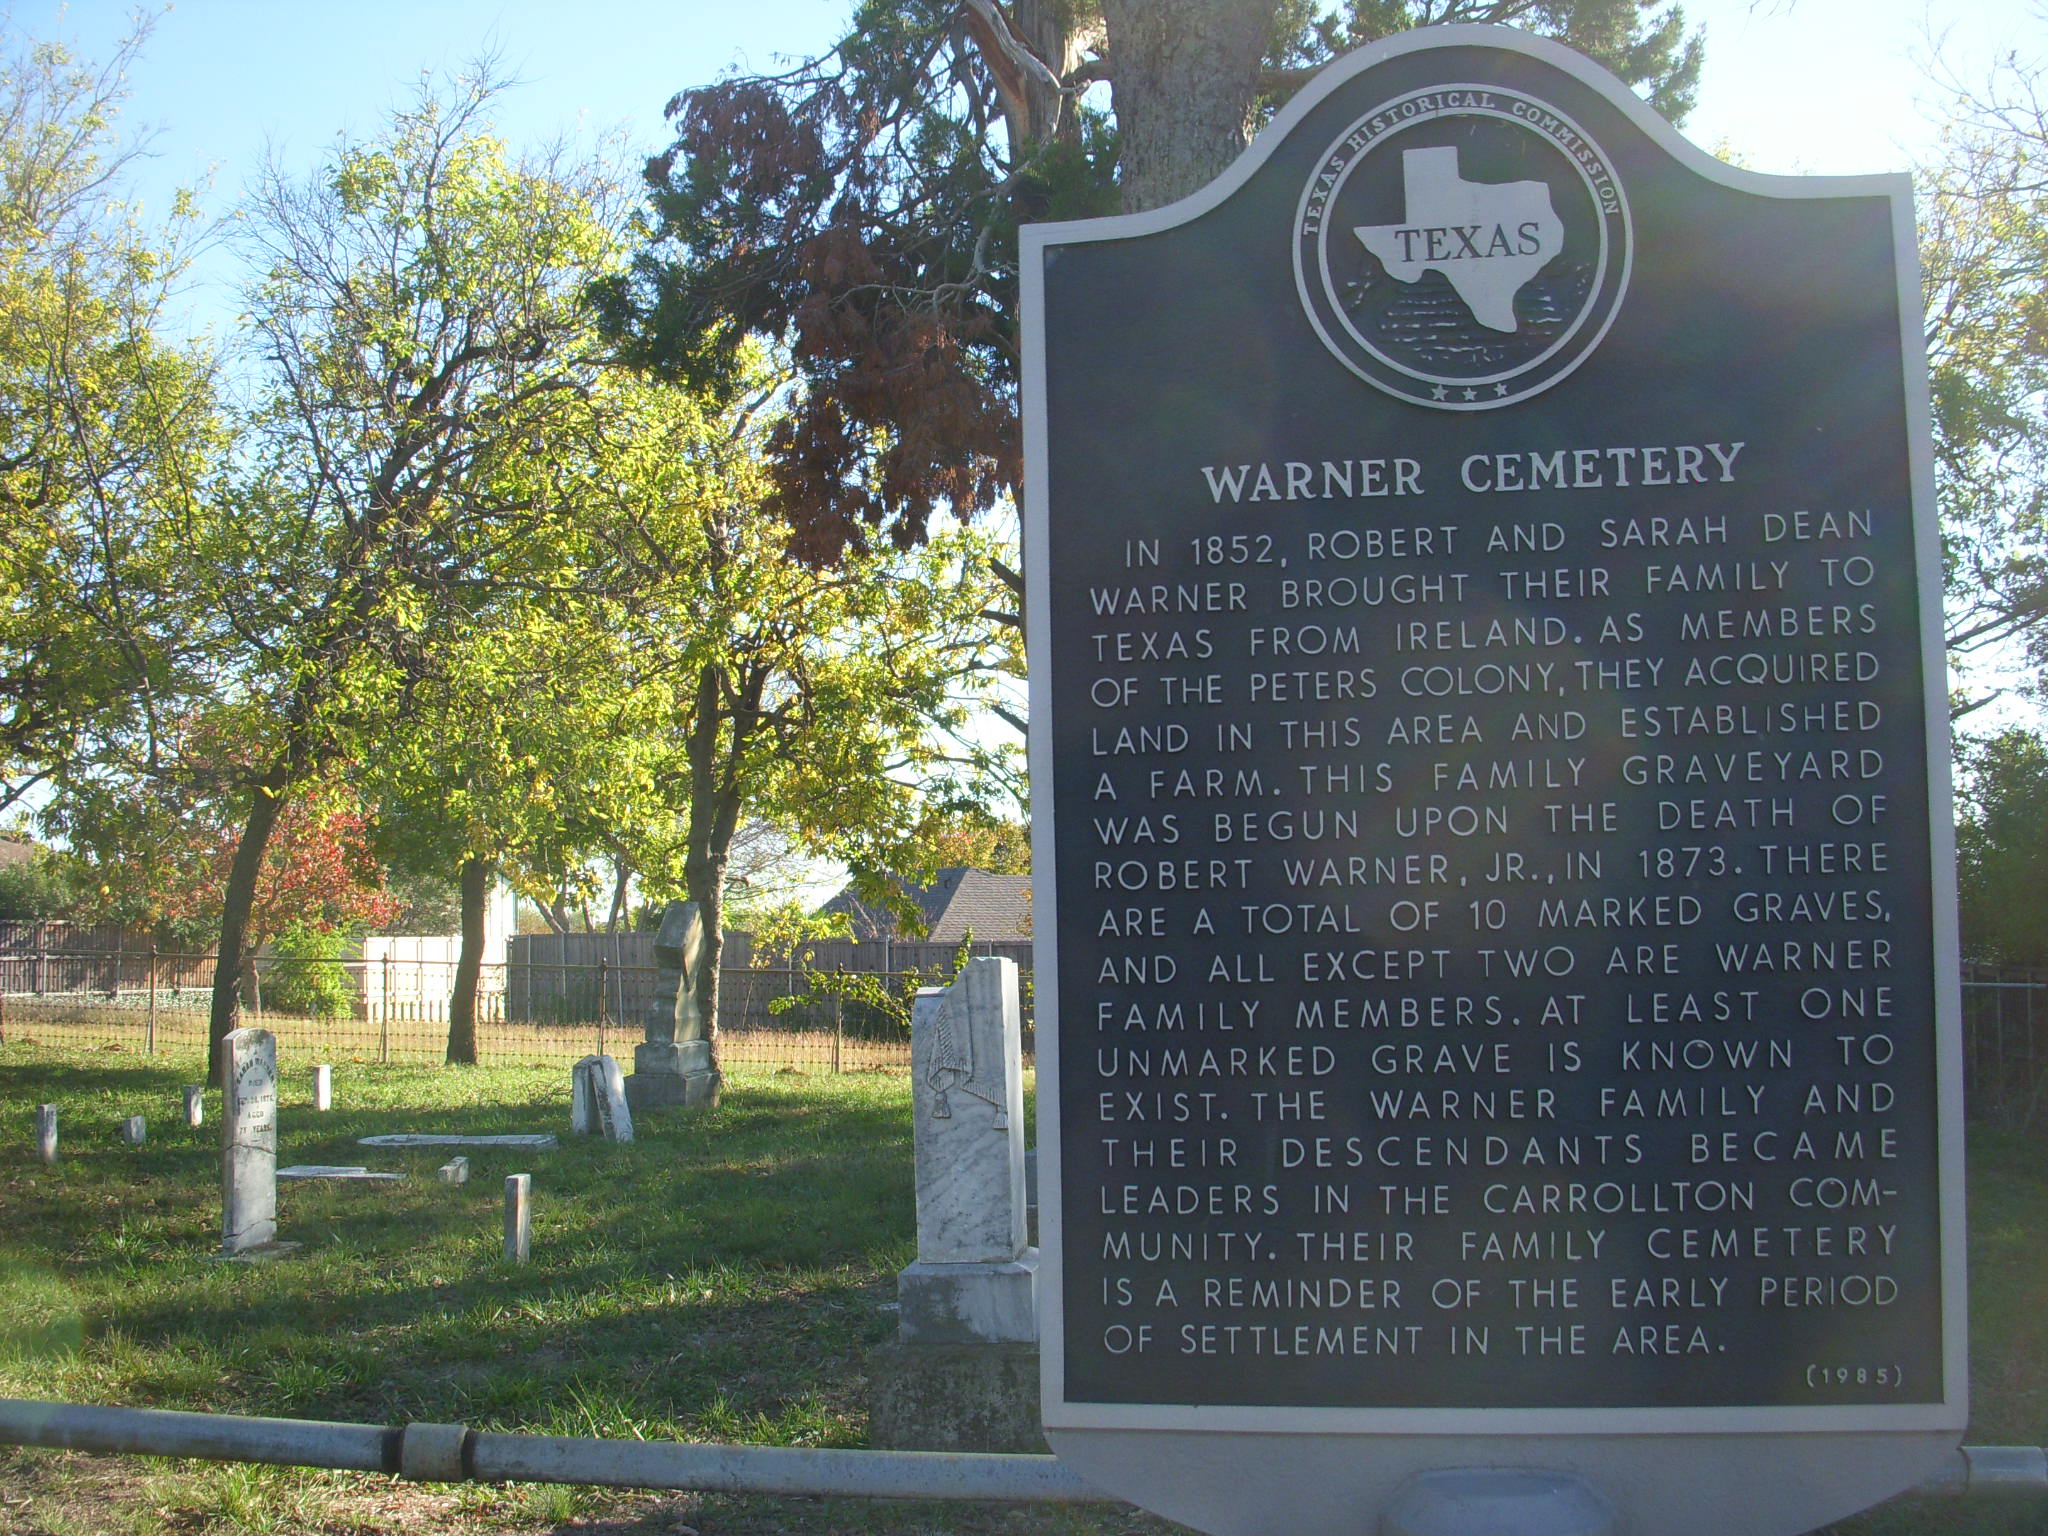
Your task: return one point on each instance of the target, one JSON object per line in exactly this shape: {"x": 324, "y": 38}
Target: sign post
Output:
{"x": 1493, "y": 862}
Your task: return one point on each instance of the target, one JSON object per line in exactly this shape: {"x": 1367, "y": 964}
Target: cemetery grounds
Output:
{"x": 719, "y": 1279}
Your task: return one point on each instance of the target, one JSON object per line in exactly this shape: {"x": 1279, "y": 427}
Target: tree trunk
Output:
{"x": 231, "y": 953}
{"x": 1055, "y": 34}
{"x": 1184, "y": 75}
{"x": 477, "y": 877}
{"x": 721, "y": 727}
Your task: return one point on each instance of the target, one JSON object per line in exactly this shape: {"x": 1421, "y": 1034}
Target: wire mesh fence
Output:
{"x": 395, "y": 1008}
{"x": 2005, "y": 1044}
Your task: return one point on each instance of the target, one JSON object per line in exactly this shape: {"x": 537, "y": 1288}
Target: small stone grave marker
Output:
{"x": 597, "y": 1100}
{"x": 195, "y": 1104}
{"x": 454, "y": 1171}
{"x": 135, "y": 1130}
{"x": 518, "y": 1217}
{"x": 323, "y": 1087}
{"x": 46, "y": 1133}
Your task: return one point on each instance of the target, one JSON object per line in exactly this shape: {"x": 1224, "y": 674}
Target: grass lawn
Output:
{"x": 721, "y": 1279}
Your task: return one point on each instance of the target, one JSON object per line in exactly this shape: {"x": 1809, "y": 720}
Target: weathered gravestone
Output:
{"x": 518, "y": 1217}
{"x": 323, "y": 1087}
{"x": 1492, "y": 867}
{"x": 46, "y": 1133}
{"x": 597, "y": 1100}
{"x": 195, "y": 1105}
{"x": 248, "y": 1163}
{"x": 962, "y": 1373}
{"x": 674, "y": 1065}
{"x": 134, "y": 1129}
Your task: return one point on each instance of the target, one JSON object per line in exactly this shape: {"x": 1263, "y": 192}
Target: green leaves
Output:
{"x": 1984, "y": 258}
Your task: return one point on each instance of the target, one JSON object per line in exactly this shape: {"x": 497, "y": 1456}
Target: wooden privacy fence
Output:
{"x": 393, "y": 1006}
{"x": 552, "y": 975}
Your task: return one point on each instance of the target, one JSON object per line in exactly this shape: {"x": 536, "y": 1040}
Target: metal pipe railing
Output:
{"x": 455, "y": 1453}
{"x": 450, "y": 1453}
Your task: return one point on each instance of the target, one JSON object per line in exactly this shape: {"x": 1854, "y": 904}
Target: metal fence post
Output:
{"x": 149, "y": 1029}
{"x": 384, "y": 1016}
{"x": 603, "y": 998}
{"x": 838, "y": 1028}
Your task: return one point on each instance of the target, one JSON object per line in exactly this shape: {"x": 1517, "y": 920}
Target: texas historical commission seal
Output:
{"x": 1462, "y": 247}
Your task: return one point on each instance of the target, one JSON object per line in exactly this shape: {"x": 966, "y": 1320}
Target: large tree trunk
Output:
{"x": 477, "y": 877}
{"x": 231, "y": 955}
{"x": 1185, "y": 75}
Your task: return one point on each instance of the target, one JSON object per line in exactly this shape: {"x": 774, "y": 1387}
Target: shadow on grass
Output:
{"x": 720, "y": 1277}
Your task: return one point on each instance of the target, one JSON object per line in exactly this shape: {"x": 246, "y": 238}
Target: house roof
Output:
{"x": 993, "y": 908}
{"x": 16, "y": 848}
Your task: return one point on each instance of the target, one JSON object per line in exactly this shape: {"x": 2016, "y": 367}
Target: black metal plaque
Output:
{"x": 1492, "y": 826}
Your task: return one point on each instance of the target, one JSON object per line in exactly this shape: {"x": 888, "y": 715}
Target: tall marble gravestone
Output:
{"x": 962, "y": 1372}
{"x": 1493, "y": 863}
{"x": 248, "y": 1143}
{"x": 975, "y": 1278}
{"x": 674, "y": 1065}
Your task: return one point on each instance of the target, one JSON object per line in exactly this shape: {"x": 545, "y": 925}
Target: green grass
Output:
{"x": 720, "y": 1279}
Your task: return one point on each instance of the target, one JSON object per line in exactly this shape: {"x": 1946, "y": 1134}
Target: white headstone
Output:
{"x": 518, "y": 1217}
{"x": 135, "y": 1130}
{"x": 195, "y": 1104}
{"x": 323, "y": 1087}
{"x": 967, "y": 1103}
{"x": 582, "y": 1101}
{"x": 46, "y": 1133}
{"x": 455, "y": 1171}
{"x": 597, "y": 1100}
{"x": 248, "y": 1216}
{"x": 975, "y": 1280}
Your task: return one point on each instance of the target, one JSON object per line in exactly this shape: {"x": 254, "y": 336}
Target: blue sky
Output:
{"x": 1792, "y": 85}
{"x": 1825, "y": 86}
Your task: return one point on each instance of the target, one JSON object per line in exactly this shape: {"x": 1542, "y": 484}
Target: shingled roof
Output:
{"x": 994, "y": 908}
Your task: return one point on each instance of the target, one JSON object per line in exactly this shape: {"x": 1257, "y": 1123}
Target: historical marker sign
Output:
{"x": 1493, "y": 872}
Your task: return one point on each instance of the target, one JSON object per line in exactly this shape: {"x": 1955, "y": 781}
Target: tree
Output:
{"x": 970, "y": 835}
{"x": 103, "y": 433}
{"x": 320, "y": 873}
{"x": 828, "y": 702}
{"x": 417, "y": 325}
{"x": 512, "y": 762}
{"x": 862, "y": 209}
{"x": 1984, "y": 258}
{"x": 36, "y": 883}
{"x": 2001, "y": 855}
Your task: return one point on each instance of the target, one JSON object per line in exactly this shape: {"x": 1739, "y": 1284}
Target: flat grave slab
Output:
{"x": 336, "y": 1171}
{"x": 532, "y": 1143}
